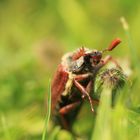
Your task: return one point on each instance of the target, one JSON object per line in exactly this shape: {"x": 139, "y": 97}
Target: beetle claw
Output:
{"x": 83, "y": 96}
{"x": 92, "y": 109}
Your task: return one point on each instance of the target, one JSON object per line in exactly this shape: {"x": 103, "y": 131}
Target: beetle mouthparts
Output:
{"x": 113, "y": 44}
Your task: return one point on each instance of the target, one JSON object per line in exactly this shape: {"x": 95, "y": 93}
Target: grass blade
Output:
{"x": 103, "y": 121}
{"x": 134, "y": 56}
{"x": 47, "y": 118}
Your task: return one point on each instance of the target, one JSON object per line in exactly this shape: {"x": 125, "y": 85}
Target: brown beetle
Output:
{"x": 74, "y": 81}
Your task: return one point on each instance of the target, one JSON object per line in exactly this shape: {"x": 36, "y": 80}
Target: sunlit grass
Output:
{"x": 44, "y": 135}
{"x": 23, "y": 78}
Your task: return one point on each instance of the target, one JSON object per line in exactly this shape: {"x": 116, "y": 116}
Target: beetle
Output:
{"x": 74, "y": 80}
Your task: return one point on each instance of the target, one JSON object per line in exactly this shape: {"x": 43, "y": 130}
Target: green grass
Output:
{"x": 48, "y": 114}
{"x": 34, "y": 36}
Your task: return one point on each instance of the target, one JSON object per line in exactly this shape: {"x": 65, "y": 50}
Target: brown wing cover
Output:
{"x": 58, "y": 84}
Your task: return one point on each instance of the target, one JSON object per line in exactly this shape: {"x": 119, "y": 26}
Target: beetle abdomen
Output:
{"x": 70, "y": 116}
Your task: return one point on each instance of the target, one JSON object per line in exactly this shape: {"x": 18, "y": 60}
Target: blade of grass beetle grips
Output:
{"x": 111, "y": 81}
{"x": 102, "y": 126}
{"x": 47, "y": 118}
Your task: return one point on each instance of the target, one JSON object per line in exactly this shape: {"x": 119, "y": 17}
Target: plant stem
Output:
{"x": 103, "y": 122}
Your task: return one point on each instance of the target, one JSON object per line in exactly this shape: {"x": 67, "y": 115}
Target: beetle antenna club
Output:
{"x": 113, "y": 45}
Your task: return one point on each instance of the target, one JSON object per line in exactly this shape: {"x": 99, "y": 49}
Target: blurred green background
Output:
{"x": 34, "y": 34}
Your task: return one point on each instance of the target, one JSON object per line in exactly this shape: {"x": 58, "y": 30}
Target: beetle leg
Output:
{"x": 110, "y": 58}
{"x": 82, "y": 76}
{"x": 89, "y": 89}
{"x": 106, "y": 60}
{"x": 84, "y": 92}
{"x": 64, "y": 122}
{"x": 66, "y": 109}
{"x": 89, "y": 86}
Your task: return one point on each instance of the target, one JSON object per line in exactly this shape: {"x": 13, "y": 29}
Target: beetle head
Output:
{"x": 87, "y": 60}
{"x": 93, "y": 58}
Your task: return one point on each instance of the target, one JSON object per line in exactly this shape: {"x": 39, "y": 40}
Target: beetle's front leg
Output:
{"x": 108, "y": 59}
{"x": 84, "y": 92}
{"x": 82, "y": 76}
{"x": 89, "y": 90}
